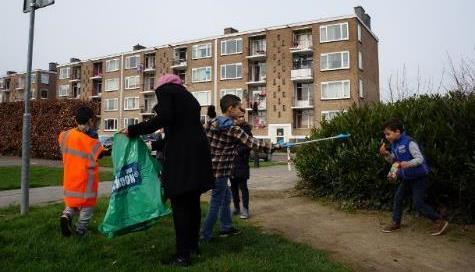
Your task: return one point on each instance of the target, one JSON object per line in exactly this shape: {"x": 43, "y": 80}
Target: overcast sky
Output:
{"x": 418, "y": 34}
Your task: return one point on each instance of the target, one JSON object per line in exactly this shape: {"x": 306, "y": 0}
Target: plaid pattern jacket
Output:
{"x": 223, "y": 143}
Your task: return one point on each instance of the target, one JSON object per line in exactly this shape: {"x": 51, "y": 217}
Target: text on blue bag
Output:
{"x": 129, "y": 176}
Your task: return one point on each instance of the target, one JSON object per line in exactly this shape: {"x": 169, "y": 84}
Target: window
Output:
{"x": 303, "y": 119}
{"x": 336, "y": 32}
{"x": 231, "y": 71}
{"x": 237, "y": 92}
{"x": 230, "y": 47}
{"x": 64, "y": 72}
{"x": 303, "y": 92}
{"x": 63, "y": 90}
{"x": 360, "y": 60}
{"x": 132, "y": 82}
{"x": 2, "y": 84}
{"x": 45, "y": 78}
{"x": 359, "y": 32}
{"x": 131, "y": 103}
{"x": 112, "y": 84}
{"x": 336, "y": 89}
{"x": 110, "y": 124}
{"x": 111, "y": 104}
{"x": 131, "y": 62}
{"x": 21, "y": 83}
{"x": 33, "y": 93}
{"x": 202, "y": 74}
{"x": 201, "y": 51}
{"x": 335, "y": 61}
{"x": 258, "y": 47}
{"x": 33, "y": 77}
{"x": 203, "y": 97}
{"x": 44, "y": 94}
{"x": 328, "y": 115}
{"x": 361, "y": 89}
{"x": 112, "y": 65}
{"x": 130, "y": 121}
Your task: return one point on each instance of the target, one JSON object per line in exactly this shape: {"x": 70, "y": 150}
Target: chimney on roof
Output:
{"x": 364, "y": 17}
{"x": 138, "y": 47}
{"x": 74, "y": 60}
{"x": 53, "y": 67}
{"x": 229, "y": 30}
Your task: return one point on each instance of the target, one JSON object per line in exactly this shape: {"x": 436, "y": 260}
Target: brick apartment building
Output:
{"x": 43, "y": 85}
{"x": 289, "y": 77}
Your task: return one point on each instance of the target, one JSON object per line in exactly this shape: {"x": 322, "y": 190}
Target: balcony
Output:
{"x": 179, "y": 64}
{"x": 302, "y": 46}
{"x": 259, "y": 54}
{"x": 303, "y": 119}
{"x": 257, "y": 80}
{"x": 149, "y": 86}
{"x": 149, "y": 63}
{"x": 301, "y": 74}
{"x": 302, "y": 103}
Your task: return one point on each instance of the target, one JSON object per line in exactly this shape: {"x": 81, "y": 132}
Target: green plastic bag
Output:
{"x": 136, "y": 201}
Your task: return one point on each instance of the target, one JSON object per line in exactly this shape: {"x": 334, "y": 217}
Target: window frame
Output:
{"x": 127, "y": 62}
{"x": 68, "y": 90}
{"x": 62, "y": 74}
{"x": 106, "y": 89}
{"x": 200, "y": 68}
{"x": 342, "y": 62}
{"x": 208, "y": 92}
{"x": 195, "y": 48}
{"x": 336, "y": 97}
{"x": 127, "y": 83}
{"x": 331, "y": 25}
{"x": 110, "y": 61}
{"x": 136, "y": 102}
{"x": 224, "y": 43}
{"x": 115, "y": 124}
{"x": 226, "y": 70}
{"x": 106, "y": 104}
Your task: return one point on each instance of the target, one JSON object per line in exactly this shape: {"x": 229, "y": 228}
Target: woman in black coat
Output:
{"x": 187, "y": 170}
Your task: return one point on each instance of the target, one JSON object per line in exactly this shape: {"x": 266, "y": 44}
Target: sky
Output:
{"x": 418, "y": 35}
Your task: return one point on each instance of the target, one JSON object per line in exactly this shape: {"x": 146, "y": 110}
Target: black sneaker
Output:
{"x": 231, "y": 231}
{"x": 65, "y": 224}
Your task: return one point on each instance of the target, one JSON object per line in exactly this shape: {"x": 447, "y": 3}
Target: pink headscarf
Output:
{"x": 169, "y": 78}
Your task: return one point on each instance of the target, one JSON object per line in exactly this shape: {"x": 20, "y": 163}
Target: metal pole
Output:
{"x": 26, "y": 145}
{"x": 288, "y": 159}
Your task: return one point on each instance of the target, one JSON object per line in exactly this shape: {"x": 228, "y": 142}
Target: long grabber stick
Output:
{"x": 289, "y": 145}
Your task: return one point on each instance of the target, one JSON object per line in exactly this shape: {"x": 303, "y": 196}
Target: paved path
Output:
{"x": 266, "y": 178}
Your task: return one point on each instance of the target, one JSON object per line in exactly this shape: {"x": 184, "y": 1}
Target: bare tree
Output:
{"x": 462, "y": 75}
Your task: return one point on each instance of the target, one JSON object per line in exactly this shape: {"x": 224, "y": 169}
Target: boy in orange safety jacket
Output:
{"x": 80, "y": 149}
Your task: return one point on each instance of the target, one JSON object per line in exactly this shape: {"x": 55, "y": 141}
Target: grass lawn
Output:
{"x": 34, "y": 243}
{"x": 39, "y": 177}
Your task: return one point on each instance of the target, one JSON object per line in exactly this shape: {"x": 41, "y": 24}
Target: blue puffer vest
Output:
{"x": 401, "y": 152}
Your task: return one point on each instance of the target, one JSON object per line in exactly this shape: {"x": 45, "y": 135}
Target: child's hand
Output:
{"x": 404, "y": 165}
{"x": 383, "y": 151}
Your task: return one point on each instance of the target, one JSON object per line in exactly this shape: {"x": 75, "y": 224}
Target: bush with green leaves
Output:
{"x": 352, "y": 170}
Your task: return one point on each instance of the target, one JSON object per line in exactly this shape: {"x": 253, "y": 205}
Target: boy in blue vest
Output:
{"x": 412, "y": 171}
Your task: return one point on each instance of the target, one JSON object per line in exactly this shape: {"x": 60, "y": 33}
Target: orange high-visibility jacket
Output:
{"x": 81, "y": 170}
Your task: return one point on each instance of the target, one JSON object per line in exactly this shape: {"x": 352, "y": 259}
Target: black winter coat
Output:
{"x": 241, "y": 161}
{"x": 187, "y": 157}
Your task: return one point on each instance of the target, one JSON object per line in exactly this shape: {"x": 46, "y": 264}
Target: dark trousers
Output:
{"x": 418, "y": 188}
{"x": 236, "y": 185}
{"x": 187, "y": 220}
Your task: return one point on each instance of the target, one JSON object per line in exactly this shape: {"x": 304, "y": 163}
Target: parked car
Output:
{"x": 261, "y": 155}
{"x": 106, "y": 142}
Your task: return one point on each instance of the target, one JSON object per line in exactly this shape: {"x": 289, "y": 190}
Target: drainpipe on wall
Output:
{"x": 216, "y": 95}
{"x": 121, "y": 93}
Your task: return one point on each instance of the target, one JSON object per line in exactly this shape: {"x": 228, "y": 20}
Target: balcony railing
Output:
{"x": 302, "y": 103}
{"x": 305, "y": 74}
{"x": 179, "y": 63}
{"x": 302, "y": 45}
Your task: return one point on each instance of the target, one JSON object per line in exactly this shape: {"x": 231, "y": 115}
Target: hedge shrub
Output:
{"x": 353, "y": 171}
{"x": 49, "y": 118}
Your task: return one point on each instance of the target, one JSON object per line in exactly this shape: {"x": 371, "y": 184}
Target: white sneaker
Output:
{"x": 244, "y": 214}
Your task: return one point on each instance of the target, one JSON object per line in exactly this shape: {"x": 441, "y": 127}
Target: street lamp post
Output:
{"x": 28, "y": 6}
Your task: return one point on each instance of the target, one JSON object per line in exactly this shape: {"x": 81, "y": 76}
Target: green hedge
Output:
{"x": 353, "y": 171}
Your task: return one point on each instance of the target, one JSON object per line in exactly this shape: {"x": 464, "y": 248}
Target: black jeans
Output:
{"x": 418, "y": 188}
{"x": 187, "y": 220}
{"x": 236, "y": 185}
